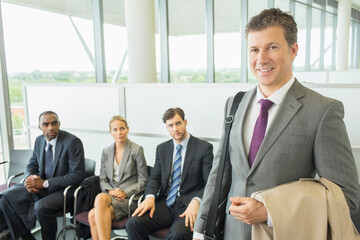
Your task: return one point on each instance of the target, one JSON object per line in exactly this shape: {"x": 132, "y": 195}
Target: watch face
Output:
{"x": 46, "y": 184}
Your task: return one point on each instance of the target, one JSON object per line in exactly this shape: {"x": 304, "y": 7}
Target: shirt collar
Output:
{"x": 277, "y": 96}
{"x": 52, "y": 142}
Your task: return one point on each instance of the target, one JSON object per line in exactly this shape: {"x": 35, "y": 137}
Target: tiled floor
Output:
{"x": 70, "y": 234}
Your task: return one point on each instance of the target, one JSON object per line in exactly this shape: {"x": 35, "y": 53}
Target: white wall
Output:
{"x": 343, "y": 77}
{"x": 85, "y": 109}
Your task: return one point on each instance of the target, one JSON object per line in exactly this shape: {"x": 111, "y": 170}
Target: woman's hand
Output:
{"x": 118, "y": 194}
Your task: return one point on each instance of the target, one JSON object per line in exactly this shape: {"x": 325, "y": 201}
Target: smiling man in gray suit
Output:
{"x": 176, "y": 183}
{"x": 57, "y": 162}
{"x": 282, "y": 131}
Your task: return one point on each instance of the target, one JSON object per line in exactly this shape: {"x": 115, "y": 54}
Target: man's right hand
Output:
{"x": 147, "y": 204}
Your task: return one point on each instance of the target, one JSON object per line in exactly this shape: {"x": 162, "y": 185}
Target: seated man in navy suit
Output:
{"x": 57, "y": 161}
{"x": 176, "y": 183}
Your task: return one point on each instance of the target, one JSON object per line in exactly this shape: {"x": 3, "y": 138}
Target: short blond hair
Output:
{"x": 118, "y": 118}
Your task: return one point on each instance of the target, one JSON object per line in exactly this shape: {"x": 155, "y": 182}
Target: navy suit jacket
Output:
{"x": 69, "y": 169}
{"x": 195, "y": 172}
{"x": 69, "y": 162}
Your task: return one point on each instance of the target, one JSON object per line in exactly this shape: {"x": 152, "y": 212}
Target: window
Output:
{"x": 330, "y": 46}
{"x": 2, "y": 166}
{"x": 300, "y": 16}
{"x": 255, "y": 7}
{"x": 157, "y": 41}
{"x": 187, "y": 41}
{"x": 115, "y": 42}
{"x": 43, "y": 46}
{"x": 354, "y": 39}
{"x": 315, "y": 40}
{"x": 227, "y": 41}
{"x": 283, "y": 5}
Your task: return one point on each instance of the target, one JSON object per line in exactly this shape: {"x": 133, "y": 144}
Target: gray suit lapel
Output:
{"x": 110, "y": 161}
{"x": 289, "y": 107}
{"x": 238, "y": 127}
{"x": 191, "y": 147}
{"x": 125, "y": 157}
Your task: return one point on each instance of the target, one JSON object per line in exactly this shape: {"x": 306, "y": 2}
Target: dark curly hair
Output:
{"x": 171, "y": 112}
{"x": 274, "y": 17}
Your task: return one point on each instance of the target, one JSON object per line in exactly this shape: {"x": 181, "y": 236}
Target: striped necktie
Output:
{"x": 175, "y": 179}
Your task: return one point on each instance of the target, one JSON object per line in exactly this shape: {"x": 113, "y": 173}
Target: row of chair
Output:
{"x": 18, "y": 162}
{"x": 89, "y": 171}
{"x": 120, "y": 224}
{"x": 17, "y": 165}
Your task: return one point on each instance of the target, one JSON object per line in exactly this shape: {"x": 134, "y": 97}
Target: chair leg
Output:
{"x": 121, "y": 234}
{"x": 65, "y": 227}
{"x": 35, "y": 230}
{"x": 62, "y": 232}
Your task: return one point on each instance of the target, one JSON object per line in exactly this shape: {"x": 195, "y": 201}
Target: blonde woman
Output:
{"x": 123, "y": 173}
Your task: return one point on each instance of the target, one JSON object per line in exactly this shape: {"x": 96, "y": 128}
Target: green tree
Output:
{"x": 17, "y": 121}
{"x": 15, "y": 91}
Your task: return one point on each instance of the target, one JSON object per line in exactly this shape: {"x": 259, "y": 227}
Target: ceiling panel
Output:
{"x": 182, "y": 13}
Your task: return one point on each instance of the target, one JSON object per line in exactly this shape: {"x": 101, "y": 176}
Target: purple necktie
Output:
{"x": 259, "y": 129}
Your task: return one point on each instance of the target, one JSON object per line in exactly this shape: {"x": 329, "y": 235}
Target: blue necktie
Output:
{"x": 175, "y": 179}
{"x": 49, "y": 162}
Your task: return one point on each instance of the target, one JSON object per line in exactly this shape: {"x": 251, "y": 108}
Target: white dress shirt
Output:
{"x": 116, "y": 168}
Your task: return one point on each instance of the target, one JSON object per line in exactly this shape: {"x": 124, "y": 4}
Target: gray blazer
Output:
{"x": 307, "y": 136}
{"x": 133, "y": 169}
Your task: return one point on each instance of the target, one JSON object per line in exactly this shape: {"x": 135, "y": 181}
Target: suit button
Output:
{"x": 251, "y": 184}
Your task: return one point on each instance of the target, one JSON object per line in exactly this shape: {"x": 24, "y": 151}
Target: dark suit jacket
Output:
{"x": 69, "y": 162}
{"x": 69, "y": 169}
{"x": 196, "y": 169}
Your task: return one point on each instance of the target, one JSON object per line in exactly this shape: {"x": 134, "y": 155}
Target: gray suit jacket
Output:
{"x": 307, "y": 136}
{"x": 132, "y": 172}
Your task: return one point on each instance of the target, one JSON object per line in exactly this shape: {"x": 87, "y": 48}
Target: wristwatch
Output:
{"x": 46, "y": 184}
